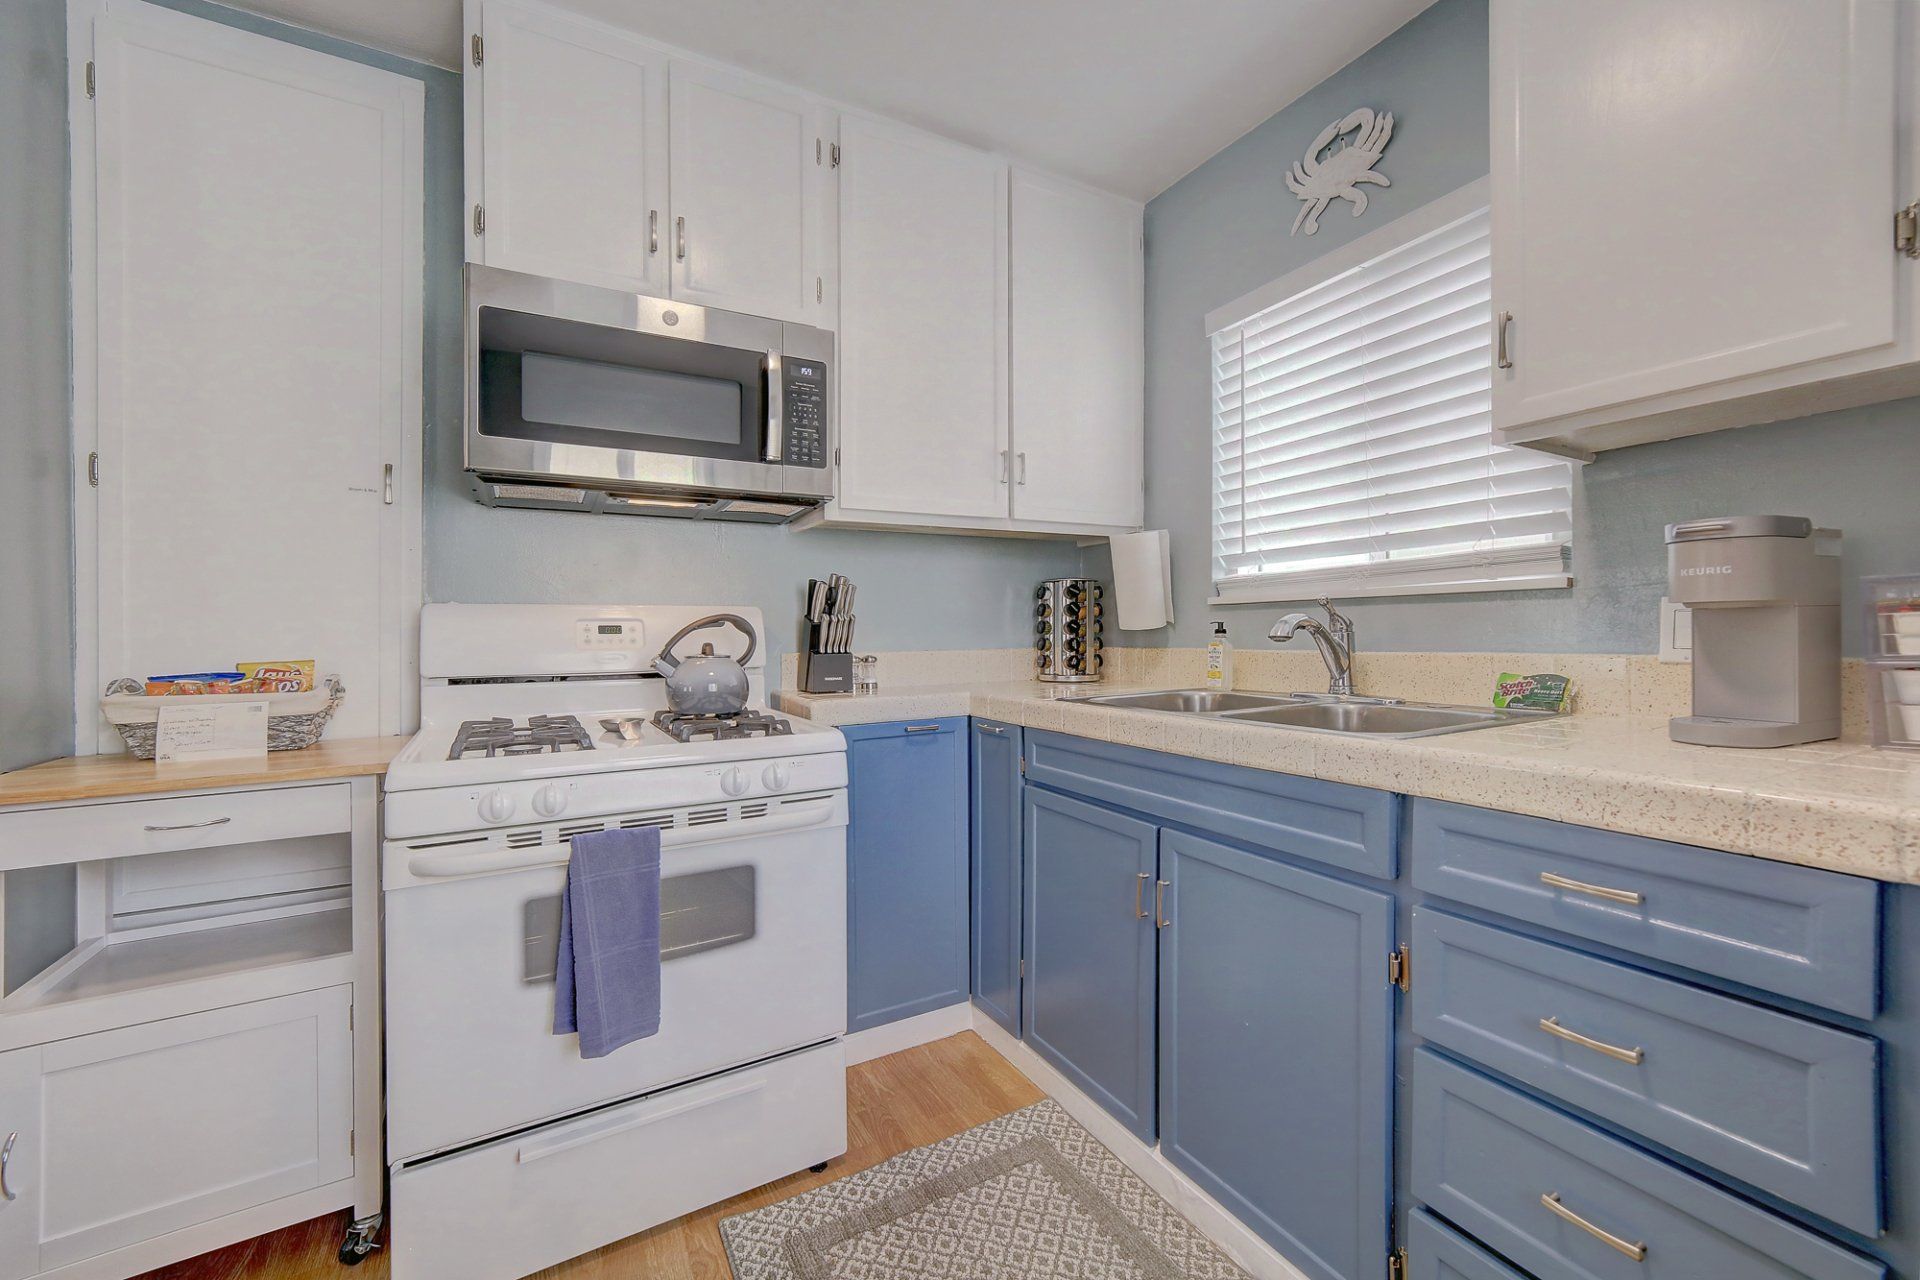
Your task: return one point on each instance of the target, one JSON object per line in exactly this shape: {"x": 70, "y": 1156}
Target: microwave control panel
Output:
{"x": 805, "y": 413}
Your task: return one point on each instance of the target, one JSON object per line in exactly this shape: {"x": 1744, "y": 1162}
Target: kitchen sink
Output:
{"x": 1197, "y": 702}
{"x": 1320, "y": 712}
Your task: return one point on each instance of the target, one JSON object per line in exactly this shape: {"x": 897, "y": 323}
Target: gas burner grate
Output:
{"x": 540, "y": 735}
{"x": 745, "y": 724}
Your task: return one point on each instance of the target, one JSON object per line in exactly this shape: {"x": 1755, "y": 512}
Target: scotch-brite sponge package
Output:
{"x": 1532, "y": 693}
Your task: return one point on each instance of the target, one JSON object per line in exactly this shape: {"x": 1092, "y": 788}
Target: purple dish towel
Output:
{"x": 606, "y": 977}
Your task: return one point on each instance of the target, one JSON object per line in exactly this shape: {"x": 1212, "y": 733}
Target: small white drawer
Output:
{"x": 525, "y": 1202}
{"x": 196, "y": 820}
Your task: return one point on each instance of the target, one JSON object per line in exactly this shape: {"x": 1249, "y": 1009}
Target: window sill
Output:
{"x": 1287, "y": 593}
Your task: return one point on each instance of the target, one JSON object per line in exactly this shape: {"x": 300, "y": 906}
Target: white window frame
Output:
{"x": 1534, "y": 567}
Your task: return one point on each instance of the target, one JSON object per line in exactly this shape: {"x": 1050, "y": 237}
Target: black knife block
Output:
{"x": 826, "y": 672}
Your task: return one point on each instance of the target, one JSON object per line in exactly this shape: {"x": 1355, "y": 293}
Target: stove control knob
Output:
{"x": 496, "y": 806}
{"x": 550, "y": 801}
{"x": 776, "y": 776}
{"x": 733, "y": 782}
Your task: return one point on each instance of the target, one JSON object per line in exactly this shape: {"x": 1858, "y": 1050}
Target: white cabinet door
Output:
{"x": 20, "y": 1146}
{"x": 923, "y": 307}
{"x": 573, "y": 151}
{"x": 152, "y": 1128}
{"x": 248, "y": 362}
{"x": 1077, "y": 360}
{"x": 750, "y": 166}
{"x": 1686, "y": 193}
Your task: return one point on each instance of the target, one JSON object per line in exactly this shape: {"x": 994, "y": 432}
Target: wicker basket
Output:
{"x": 137, "y": 715}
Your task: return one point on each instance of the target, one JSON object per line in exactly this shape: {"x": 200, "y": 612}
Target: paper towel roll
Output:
{"x": 1142, "y": 580}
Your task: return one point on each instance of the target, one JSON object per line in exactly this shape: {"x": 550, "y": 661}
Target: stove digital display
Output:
{"x": 609, "y": 628}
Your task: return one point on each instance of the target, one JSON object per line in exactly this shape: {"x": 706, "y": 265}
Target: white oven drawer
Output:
{"x": 754, "y": 940}
{"x": 526, "y": 1202}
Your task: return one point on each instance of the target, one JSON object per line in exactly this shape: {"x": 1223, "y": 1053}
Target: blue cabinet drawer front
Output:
{"x": 1799, "y": 932}
{"x": 1436, "y": 1251}
{"x": 1783, "y": 1103}
{"x": 1486, "y": 1157}
{"x": 1344, "y": 826}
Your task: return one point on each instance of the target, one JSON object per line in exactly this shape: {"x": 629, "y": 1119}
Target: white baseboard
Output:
{"x": 922, "y": 1028}
{"x": 1235, "y": 1238}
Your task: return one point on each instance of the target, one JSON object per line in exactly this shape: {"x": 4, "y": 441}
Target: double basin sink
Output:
{"x": 1320, "y": 712}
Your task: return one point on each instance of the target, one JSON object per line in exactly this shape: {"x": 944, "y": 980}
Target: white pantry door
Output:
{"x": 750, "y": 168}
{"x": 1685, "y": 194}
{"x": 247, "y": 361}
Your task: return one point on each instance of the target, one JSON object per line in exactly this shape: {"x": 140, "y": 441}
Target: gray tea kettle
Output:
{"x": 707, "y": 684}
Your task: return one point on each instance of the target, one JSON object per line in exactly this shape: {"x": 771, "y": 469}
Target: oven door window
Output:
{"x": 700, "y": 911}
{"x": 618, "y": 389}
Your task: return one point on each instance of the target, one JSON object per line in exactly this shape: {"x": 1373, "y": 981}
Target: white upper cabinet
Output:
{"x": 1078, "y": 354}
{"x": 1694, "y": 214}
{"x": 567, "y": 175}
{"x": 923, "y": 324}
{"x": 750, "y": 166}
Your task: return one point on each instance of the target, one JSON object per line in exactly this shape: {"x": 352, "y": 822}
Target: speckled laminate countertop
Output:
{"x": 1843, "y": 806}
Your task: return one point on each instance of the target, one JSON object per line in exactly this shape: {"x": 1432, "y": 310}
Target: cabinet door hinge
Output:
{"x": 93, "y": 470}
{"x": 1906, "y": 226}
{"x": 479, "y": 49}
{"x": 350, "y": 1141}
{"x": 835, "y": 154}
{"x": 1397, "y": 1265}
{"x": 479, "y": 220}
{"x": 1400, "y": 967}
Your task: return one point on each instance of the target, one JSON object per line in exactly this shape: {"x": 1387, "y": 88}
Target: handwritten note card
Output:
{"x": 225, "y": 731}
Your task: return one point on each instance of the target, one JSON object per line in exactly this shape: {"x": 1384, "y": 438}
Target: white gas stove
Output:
{"x": 527, "y": 709}
{"x": 541, "y": 723}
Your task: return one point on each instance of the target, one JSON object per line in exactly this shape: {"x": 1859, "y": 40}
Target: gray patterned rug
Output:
{"x": 1030, "y": 1196}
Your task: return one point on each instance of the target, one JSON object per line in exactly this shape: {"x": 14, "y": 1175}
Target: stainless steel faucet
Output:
{"x": 1334, "y": 639}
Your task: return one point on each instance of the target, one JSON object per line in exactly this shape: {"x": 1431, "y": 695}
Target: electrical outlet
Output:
{"x": 1676, "y": 632}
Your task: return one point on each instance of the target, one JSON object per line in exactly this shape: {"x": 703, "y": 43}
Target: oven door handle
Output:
{"x": 815, "y": 813}
{"x": 776, "y": 408}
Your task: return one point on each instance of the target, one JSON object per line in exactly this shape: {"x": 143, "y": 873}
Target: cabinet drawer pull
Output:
{"x": 680, "y": 239}
{"x": 990, "y": 728}
{"x": 1139, "y": 895}
{"x": 1502, "y": 357}
{"x": 1638, "y": 1252}
{"x": 190, "y": 826}
{"x": 923, "y": 728}
{"x": 653, "y": 231}
{"x": 1627, "y": 896}
{"x": 6, "y": 1157}
{"x": 1160, "y": 920}
{"x": 1552, "y": 1027}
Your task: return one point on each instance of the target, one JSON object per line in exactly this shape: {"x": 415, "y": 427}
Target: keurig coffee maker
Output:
{"x": 1765, "y": 595}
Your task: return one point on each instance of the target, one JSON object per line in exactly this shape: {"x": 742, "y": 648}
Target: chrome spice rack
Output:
{"x": 1066, "y": 630}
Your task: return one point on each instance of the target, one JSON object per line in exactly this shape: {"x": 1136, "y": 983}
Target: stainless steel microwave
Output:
{"x": 588, "y": 399}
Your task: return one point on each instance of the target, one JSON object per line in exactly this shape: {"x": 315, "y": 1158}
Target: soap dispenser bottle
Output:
{"x": 1219, "y": 659}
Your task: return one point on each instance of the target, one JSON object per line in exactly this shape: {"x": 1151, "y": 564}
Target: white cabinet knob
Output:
{"x": 550, "y": 801}
{"x": 496, "y": 806}
{"x": 776, "y": 776}
{"x": 733, "y": 782}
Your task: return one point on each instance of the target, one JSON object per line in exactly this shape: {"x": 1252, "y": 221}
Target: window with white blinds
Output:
{"x": 1353, "y": 449}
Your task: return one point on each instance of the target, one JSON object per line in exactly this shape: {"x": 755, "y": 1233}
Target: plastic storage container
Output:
{"x": 1893, "y": 658}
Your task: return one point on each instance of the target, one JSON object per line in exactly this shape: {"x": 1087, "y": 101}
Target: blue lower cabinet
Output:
{"x": 906, "y": 869}
{"x": 1089, "y": 993}
{"x": 1560, "y": 1198}
{"x": 1276, "y": 1035}
{"x": 996, "y": 871}
{"x": 1436, "y": 1251}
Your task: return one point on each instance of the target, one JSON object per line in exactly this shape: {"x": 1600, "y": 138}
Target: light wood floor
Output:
{"x": 894, "y": 1104}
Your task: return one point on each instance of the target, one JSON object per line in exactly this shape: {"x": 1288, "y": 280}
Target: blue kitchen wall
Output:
{"x": 1222, "y": 231}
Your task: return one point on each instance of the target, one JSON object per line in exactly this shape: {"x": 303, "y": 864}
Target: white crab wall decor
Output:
{"x": 1336, "y": 166}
